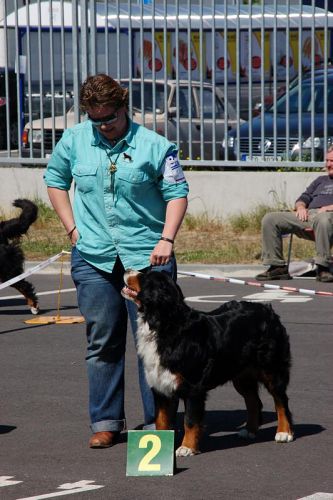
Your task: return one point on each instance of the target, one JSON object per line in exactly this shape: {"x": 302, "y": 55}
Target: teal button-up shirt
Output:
{"x": 120, "y": 193}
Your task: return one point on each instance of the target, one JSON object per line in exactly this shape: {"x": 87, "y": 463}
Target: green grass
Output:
{"x": 249, "y": 221}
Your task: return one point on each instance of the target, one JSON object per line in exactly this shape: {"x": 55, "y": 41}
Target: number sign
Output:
{"x": 150, "y": 453}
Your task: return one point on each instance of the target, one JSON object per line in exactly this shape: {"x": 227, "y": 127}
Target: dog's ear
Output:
{"x": 160, "y": 290}
{"x": 170, "y": 282}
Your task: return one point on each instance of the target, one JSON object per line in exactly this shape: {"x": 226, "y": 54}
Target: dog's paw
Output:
{"x": 34, "y": 310}
{"x": 183, "y": 451}
{"x": 245, "y": 434}
{"x": 283, "y": 437}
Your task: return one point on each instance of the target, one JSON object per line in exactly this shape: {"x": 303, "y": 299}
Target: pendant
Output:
{"x": 112, "y": 168}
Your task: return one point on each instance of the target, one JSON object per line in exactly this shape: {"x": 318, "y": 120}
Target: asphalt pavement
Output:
{"x": 44, "y": 428}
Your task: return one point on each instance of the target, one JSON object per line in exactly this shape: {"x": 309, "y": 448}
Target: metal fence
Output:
{"x": 235, "y": 86}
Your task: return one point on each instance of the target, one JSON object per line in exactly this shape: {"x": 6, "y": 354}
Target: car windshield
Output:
{"x": 148, "y": 96}
{"x": 47, "y": 105}
{"x": 309, "y": 99}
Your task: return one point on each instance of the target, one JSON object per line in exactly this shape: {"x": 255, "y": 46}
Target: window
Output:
{"x": 148, "y": 97}
{"x": 184, "y": 100}
{"x": 207, "y": 104}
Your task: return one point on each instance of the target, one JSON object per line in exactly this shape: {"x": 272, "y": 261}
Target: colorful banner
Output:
{"x": 188, "y": 57}
{"x": 319, "y": 40}
{"x": 306, "y": 52}
{"x": 282, "y": 47}
{"x": 221, "y": 65}
{"x": 256, "y": 55}
{"x": 147, "y": 52}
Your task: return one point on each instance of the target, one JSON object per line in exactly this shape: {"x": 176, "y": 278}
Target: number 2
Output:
{"x": 145, "y": 464}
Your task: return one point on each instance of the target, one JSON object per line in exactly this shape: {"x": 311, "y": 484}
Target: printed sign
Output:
{"x": 150, "y": 453}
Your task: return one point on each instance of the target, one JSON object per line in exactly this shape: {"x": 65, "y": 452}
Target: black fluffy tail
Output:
{"x": 16, "y": 227}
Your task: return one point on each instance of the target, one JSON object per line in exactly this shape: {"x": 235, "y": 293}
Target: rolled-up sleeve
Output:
{"x": 58, "y": 173}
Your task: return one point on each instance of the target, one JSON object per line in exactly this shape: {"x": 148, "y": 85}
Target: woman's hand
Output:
{"x": 161, "y": 253}
{"x": 73, "y": 237}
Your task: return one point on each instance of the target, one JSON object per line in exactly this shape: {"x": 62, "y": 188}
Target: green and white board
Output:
{"x": 150, "y": 453}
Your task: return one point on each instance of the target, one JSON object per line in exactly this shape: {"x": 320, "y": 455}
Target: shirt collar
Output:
{"x": 129, "y": 138}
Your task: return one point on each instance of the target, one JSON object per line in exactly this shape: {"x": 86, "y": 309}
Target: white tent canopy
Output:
{"x": 57, "y": 14}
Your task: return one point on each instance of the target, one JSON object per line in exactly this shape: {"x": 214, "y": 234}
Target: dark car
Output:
{"x": 297, "y": 133}
{"x": 8, "y": 97}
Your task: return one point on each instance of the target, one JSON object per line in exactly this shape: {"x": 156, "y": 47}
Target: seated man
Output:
{"x": 313, "y": 209}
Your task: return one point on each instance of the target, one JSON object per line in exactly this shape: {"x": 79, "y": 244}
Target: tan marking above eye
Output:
{"x": 133, "y": 283}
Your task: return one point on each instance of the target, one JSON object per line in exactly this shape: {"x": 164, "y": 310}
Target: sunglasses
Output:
{"x": 106, "y": 121}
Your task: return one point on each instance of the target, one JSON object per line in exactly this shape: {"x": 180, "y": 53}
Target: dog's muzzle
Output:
{"x": 132, "y": 285}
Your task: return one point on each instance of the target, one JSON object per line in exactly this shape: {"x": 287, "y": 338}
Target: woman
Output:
{"x": 130, "y": 199}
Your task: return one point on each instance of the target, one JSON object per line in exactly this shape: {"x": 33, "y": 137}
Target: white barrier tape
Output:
{"x": 256, "y": 283}
{"x": 33, "y": 270}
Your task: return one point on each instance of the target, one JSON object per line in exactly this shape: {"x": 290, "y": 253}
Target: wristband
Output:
{"x": 163, "y": 238}
{"x": 69, "y": 234}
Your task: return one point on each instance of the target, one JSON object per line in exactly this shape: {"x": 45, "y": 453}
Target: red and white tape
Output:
{"x": 225, "y": 279}
{"x": 33, "y": 270}
{"x": 257, "y": 284}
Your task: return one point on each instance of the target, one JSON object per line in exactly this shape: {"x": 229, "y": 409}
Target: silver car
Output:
{"x": 177, "y": 109}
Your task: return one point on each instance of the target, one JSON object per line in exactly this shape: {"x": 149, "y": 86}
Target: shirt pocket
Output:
{"x": 85, "y": 177}
{"x": 132, "y": 182}
{"x": 132, "y": 175}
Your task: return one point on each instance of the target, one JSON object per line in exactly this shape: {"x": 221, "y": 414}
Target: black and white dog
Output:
{"x": 187, "y": 352}
{"x": 11, "y": 254}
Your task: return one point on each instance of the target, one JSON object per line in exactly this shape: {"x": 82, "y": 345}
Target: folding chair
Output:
{"x": 309, "y": 230}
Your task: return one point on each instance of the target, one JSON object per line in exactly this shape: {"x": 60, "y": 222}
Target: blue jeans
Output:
{"x": 106, "y": 313}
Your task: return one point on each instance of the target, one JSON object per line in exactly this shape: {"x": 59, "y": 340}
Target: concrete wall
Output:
{"x": 223, "y": 194}
{"x": 219, "y": 194}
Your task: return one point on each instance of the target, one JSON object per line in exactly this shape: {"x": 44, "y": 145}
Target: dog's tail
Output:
{"x": 16, "y": 227}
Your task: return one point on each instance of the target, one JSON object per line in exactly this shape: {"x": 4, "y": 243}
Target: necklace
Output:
{"x": 113, "y": 167}
{"x": 113, "y": 164}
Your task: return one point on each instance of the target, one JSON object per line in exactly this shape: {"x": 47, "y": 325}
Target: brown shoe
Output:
{"x": 274, "y": 273}
{"x": 103, "y": 439}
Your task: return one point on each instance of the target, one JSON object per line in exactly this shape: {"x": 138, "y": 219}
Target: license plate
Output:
{"x": 245, "y": 157}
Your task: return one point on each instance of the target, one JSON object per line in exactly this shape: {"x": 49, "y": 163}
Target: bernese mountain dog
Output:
{"x": 11, "y": 254}
{"x": 187, "y": 352}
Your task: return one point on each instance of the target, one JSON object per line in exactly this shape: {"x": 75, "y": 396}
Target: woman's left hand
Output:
{"x": 161, "y": 253}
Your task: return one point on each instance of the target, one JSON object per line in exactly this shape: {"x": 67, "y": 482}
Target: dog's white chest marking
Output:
{"x": 158, "y": 377}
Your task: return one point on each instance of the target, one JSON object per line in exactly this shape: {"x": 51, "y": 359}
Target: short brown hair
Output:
{"x": 100, "y": 90}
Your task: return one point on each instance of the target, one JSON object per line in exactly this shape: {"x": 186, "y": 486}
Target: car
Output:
{"x": 306, "y": 129}
{"x": 182, "y": 113}
{"x": 51, "y": 104}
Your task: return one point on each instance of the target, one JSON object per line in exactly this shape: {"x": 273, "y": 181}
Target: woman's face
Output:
{"x": 110, "y": 122}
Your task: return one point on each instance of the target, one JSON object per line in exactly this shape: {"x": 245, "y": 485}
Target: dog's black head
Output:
{"x": 155, "y": 293}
